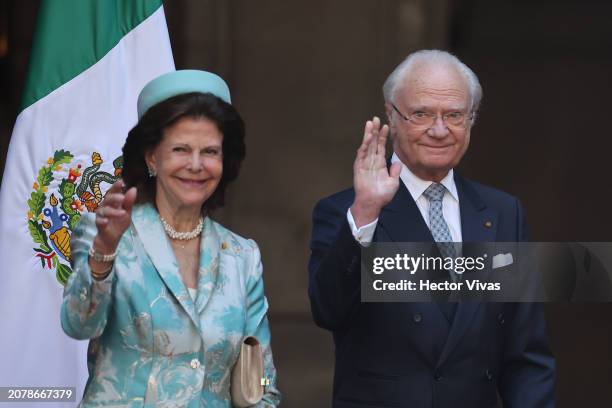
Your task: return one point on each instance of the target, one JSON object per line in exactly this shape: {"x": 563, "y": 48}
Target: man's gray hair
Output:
{"x": 438, "y": 57}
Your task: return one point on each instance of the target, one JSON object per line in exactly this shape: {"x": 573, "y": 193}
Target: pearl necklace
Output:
{"x": 182, "y": 236}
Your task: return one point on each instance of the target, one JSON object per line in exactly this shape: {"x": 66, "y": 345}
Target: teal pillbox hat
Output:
{"x": 181, "y": 82}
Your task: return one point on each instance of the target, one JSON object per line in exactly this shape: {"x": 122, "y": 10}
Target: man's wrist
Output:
{"x": 363, "y": 214}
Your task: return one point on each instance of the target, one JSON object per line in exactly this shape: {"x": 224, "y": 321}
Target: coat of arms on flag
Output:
{"x": 51, "y": 217}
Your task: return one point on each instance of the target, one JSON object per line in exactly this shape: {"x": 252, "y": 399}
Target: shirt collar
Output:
{"x": 417, "y": 186}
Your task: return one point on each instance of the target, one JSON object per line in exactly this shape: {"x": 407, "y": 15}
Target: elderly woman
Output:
{"x": 165, "y": 293}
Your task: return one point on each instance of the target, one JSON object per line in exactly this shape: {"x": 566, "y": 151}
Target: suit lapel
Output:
{"x": 401, "y": 220}
{"x": 463, "y": 318}
{"x": 478, "y": 224}
{"x": 153, "y": 237}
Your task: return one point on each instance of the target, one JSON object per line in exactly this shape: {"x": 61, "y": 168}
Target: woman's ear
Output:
{"x": 151, "y": 162}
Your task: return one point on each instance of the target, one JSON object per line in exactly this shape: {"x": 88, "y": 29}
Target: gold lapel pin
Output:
{"x": 488, "y": 224}
{"x": 224, "y": 245}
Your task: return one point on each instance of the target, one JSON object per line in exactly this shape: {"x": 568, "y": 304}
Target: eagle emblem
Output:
{"x": 53, "y": 214}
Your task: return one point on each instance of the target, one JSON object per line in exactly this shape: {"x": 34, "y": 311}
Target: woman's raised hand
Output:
{"x": 113, "y": 217}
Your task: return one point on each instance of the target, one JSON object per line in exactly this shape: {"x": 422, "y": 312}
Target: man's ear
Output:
{"x": 389, "y": 114}
{"x": 388, "y": 111}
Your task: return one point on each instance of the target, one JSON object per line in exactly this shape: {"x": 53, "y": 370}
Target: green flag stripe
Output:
{"x": 72, "y": 35}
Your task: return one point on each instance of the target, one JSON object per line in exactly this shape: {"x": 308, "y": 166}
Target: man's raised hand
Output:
{"x": 374, "y": 184}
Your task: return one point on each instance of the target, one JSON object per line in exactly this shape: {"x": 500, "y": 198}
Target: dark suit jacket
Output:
{"x": 408, "y": 354}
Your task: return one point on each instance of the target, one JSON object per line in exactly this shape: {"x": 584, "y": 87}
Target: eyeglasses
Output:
{"x": 427, "y": 119}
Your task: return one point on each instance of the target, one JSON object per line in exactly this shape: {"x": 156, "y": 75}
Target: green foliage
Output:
{"x": 67, "y": 188}
{"x": 67, "y": 191}
{"x": 36, "y": 202}
{"x": 38, "y": 235}
{"x": 62, "y": 157}
{"x": 45, "y": 176}
{"x": 118, "y": 162}
{"x": 62, "y": 273}
{"x": 70, "y": 212}
{"x": 73, "y": 221}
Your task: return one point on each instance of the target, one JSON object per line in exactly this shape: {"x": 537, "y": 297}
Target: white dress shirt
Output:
{"x": 416, "y": 187}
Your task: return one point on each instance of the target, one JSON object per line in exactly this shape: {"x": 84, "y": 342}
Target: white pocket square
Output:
{"x": 501, "y": 260}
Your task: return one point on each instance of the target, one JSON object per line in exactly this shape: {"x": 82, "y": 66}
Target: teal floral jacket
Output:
{"x": 151, "y": 344}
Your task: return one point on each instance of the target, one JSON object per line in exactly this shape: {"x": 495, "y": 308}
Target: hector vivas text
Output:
{"x": 405, "y": 263}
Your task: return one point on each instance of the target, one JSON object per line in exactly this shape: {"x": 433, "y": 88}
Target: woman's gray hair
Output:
{"x": 432, "y": 57}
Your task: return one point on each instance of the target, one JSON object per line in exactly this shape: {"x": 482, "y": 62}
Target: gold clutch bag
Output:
{"x": 248, "y": 373}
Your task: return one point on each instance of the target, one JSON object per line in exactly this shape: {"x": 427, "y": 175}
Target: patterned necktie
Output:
{"x": 437, "y": 224}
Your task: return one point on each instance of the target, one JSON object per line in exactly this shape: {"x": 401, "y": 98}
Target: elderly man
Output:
{"x": 423, "y": 354}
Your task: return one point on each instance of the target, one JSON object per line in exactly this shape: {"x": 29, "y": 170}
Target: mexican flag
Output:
{"x": 89, "y": 61}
